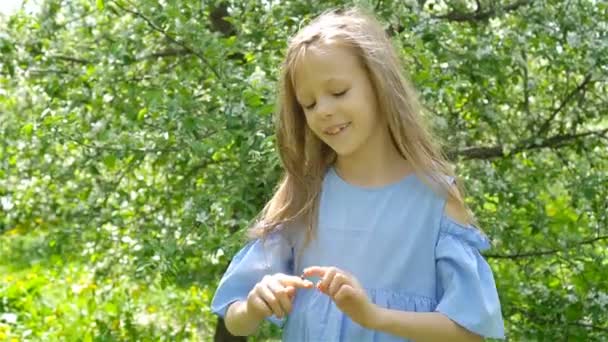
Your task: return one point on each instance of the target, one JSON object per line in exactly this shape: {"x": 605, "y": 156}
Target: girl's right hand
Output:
{"x": 274, "y": 295}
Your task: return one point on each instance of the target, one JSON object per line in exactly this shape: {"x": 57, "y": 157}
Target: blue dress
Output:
{"x": 397, "y": 241}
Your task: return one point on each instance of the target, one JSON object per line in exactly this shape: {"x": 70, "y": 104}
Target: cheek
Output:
{"x": 312, "y": 124}
{"x": 356, "y": 103}
{"x": 369, "y": 109}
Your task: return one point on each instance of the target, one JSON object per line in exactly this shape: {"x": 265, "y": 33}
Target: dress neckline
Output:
{"x": 332, "y": 173}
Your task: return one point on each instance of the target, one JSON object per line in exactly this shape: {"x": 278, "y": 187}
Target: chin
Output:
{"x": 344, "y": 151}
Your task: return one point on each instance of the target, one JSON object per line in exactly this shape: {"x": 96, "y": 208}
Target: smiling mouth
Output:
{"x": 333, "y": 130}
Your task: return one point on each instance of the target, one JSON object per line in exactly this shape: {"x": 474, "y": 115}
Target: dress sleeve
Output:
{"x": 466, "y": 289}
{"x": 257, "y": 259}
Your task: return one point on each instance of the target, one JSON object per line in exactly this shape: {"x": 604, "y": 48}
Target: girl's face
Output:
{"x": 338, "y": 99}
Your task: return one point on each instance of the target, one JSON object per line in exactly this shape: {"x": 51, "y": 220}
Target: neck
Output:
{"x": 376, "y": 164}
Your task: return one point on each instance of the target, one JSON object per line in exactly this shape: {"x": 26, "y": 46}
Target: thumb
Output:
{"x": 346, "y": 292}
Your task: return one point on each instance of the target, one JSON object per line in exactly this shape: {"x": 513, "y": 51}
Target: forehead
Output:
{"x": 322, "y": 63}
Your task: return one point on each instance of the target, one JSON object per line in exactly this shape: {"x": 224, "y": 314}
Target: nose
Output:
{"x": 325, "y": 107}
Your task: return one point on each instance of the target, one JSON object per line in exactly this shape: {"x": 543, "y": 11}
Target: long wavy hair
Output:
{"x": 306, "y": 158}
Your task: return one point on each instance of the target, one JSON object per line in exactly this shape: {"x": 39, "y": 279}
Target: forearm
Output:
{"x": 239, "y": 322}
{"x": 421, "y": 326}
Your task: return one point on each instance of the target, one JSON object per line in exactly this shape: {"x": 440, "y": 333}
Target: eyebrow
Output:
{"x": 335, "y": 79}
{"x": 331, "y": 79}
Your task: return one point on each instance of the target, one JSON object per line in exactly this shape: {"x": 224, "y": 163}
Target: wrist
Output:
{"x": 376, "y": 316}
{"x": 251, "y": 314}
{"x": 240, "y": 320}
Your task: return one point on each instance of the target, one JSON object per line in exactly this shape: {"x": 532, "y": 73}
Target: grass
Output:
{"x": 52, "y": 293}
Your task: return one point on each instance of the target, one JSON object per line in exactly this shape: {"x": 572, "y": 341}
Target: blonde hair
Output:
{"x": 306, "y": 158}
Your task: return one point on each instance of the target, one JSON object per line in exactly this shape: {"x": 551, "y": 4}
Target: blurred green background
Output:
{"x": 137, "y": 145}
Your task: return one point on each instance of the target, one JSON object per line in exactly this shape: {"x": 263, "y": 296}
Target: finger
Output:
{"x": 345, "y": 293}
{"x": 294, "y": 281}
{"x": 271, "y": 300}
{"x": 327, "y": 279}
{"x": 338, "y": 281}
{"x": 281, "y": 293}
{"x": 315, "y": 271}
{"x": 291, "y": 291}
{"x": 261, "y": 306}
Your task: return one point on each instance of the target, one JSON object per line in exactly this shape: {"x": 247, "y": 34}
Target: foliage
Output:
{"x": 137, "y": 145}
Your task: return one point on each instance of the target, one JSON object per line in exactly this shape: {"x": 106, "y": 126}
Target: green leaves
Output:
{"x": 137, "y": 143}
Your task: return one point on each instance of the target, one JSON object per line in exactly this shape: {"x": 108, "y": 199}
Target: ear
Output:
{"x": 456, "y": 211}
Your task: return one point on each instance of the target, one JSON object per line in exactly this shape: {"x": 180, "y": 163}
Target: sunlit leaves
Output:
{"x": 137, "y": 145}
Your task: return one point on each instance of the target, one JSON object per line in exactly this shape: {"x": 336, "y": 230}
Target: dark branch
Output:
{"x": 531, "y": 144}
{"x": 158, "y": 54}
{"x": 71, "y": 59}
{"x": 589, "y": 326}
{"x": 168, "y": 149}
{"x": 545, "y": 125}
{"x": 480, "y": 15}
{"x": 218, "y": 23}
{"x": 166, "y": 53}
{"x": 43, "y": 72}
{"x": 169, "y": 37}
{"x": 547, "y": 252}
{"x": 524, "y": 56}
{"x": 531, "y": 315}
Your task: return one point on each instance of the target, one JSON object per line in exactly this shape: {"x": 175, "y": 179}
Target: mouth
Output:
{"x": 336, "y": 129}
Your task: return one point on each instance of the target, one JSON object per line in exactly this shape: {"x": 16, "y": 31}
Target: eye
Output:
{"x": 338, "y": 94}
{"x": 312, "y": 105}
{"x": 309, "y": 107}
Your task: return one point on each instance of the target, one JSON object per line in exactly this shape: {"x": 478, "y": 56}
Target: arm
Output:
{"x": 421, "y": 326}
{"x": 273, "y": 295}
{"x": 253, "y": 286}
{"x": 351, "y": 299}
{"x": 239, "y": 321}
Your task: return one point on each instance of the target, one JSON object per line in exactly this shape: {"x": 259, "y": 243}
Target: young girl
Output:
{"x": 368, "y": 206}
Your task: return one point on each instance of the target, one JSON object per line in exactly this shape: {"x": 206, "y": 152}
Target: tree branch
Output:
{"x": 547, "y": 252}
{"x": 545, "y": 125}
{"x": 169, "y": 37}
{"x": 71, "y": 59}
{"x": 158, "y": 54}
{"x": 166, "y": 53}
{"x": 526, "y": 313}
{"x": 43, "y": 72}
{"x": 480, "y": 15}
{"x": 120, "y": 149}
{"x": 218, "y": 23}
{"x": 530, "y": 144}
{"x": 524, "y": 56}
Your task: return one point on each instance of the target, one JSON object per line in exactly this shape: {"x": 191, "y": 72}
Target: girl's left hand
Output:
{"x": 346, "y": 292}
